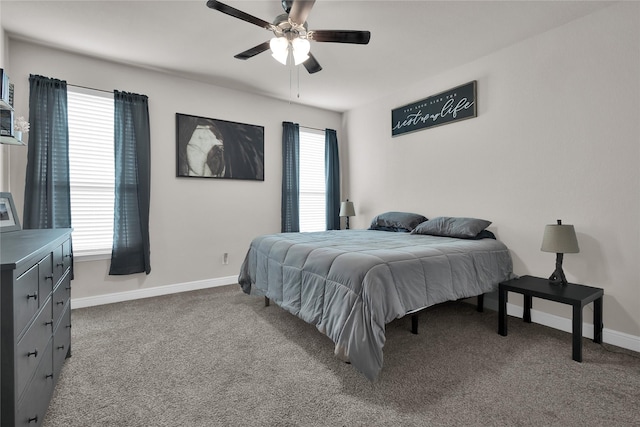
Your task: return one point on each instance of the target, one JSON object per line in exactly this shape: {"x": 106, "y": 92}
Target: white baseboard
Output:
{"x": 609, "y": 336}
{"x": 152, "y": 292}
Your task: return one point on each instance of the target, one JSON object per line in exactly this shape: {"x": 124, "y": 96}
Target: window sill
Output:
{"x": 86, "y": 256}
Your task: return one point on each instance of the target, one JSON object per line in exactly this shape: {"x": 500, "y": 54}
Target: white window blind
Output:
{"x": 91, "y": 169}
{"x": 312, "y": 181}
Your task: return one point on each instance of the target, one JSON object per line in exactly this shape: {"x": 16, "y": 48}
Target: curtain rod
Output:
{"x": 90, "y": 88}
{"x": 309, "y": 127}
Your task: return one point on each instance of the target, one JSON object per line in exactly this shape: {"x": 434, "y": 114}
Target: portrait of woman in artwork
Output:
{"x": 210, "y": 148}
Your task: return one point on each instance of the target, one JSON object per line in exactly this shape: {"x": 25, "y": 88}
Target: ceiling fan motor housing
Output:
{"x": 283, "y": 27}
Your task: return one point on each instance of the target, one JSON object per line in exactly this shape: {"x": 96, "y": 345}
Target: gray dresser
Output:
{"x": 35, "y": 316}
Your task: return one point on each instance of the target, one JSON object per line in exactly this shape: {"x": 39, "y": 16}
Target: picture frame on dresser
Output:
{"x": 8, "y": 216}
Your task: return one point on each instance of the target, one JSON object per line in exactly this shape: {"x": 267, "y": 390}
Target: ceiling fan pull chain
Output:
{"x": 290, "y": 84}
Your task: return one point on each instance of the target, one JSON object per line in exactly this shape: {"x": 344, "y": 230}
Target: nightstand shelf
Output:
{"x": 573, "y": 294}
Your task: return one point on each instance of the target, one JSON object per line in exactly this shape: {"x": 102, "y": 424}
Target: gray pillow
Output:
{"x": 462, "y": 228}
{"x": 396, "y": 221}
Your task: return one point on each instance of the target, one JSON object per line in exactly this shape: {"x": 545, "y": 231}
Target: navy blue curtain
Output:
{"x": 290, "y": 177}
{"x": 46, "y": 196}
{"x": 332, "y": 179}
{"x": 130, "y": 252}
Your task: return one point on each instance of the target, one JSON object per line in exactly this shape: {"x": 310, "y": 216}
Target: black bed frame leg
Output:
{"x": 414, "y": 316}
{"x": 266, "y": 301}
{"x": 414, "y": 324}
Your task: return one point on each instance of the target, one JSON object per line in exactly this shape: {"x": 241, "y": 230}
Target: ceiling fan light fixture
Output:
{"x": 281, "y": 57}
{"x": 299, "y": 59}
{"x": 301, "y": 48}
{"x": 292, "y": 35}
{"x": 279, "y": 49}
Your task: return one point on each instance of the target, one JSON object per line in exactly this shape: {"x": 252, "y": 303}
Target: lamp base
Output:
{"x": 557, "y": 277}
{"x": 556, "y": 280}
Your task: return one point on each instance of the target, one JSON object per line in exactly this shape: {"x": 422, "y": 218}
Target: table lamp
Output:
{"x": 346, "y": 210}
{"x": 561, "y": 239}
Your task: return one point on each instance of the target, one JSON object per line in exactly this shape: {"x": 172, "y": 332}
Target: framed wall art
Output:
{"x": 8, "y": 216}
{"x": 212, "y": 148}
{"x": 446, "y": 107}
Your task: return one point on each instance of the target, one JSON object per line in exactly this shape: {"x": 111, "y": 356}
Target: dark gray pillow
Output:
{"x": 396, "y": 221}
{"x": 463, "y": 228}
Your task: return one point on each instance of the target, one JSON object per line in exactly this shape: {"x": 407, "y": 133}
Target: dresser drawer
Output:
{"x": 62, "y": 342}
{"x": 61, "y": 296}
{"x": 25, "y": 299}
{"x": 67, "y": 255}
{"x": 30, "y": 349}
{"x": 45, "y": 277}
{"x": 33, "y": 404}
{"x": 61, "y": 260}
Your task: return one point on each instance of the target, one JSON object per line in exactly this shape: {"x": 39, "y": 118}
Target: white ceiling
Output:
{"x": 410, "y": 40}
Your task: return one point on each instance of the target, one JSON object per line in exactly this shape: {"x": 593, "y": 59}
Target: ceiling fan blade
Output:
{"x": 312, "y": 65}
{"x": 216, "y": 5}
{"x": 340, "y": 36}
{"x": 300, "y": 11}
{"x": 250, "y": 53}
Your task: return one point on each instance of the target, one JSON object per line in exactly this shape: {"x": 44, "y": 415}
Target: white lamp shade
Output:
{"x": 346, "y": 209}
{"x": 279, "y": 49}
{"x": 301, "y": 48}
{"x": 560, "y": 238}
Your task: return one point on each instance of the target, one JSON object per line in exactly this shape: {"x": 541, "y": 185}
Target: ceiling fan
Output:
{"x": 291, "y": 33}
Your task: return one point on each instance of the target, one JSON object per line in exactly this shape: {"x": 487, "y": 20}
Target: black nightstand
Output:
{"x": 576, "y": 295}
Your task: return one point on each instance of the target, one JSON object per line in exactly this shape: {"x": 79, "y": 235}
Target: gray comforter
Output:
{"x": 351, "y": 283}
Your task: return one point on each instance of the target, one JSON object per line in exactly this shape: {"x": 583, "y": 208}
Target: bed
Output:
{"x": 351, "y": 283}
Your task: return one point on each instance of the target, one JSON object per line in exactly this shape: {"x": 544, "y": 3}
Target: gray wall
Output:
{"x": 556, "y": 137}
{"x": 193, "y": 221}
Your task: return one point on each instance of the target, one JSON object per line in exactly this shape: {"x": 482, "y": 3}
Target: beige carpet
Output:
{"x": 218, "y": 357}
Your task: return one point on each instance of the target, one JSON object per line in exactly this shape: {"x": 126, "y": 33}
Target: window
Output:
{"x": 91, "y": 169}
{"x": 312, "y": 181}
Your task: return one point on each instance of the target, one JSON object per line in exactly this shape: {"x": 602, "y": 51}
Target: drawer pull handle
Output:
{"x": 60, "y": 347}
{"x": 48, "y": 323}
{"x": 34, "y": 296}
{"x": 68, "y": 326}
{"x": 68, "y": 255}
{"x": 48, "y": 376}
{"x": 33, "y": 353}
{"x": 48, "y": 277}
{"x": 67, "y": 288}
{"x": 60, "y": 302}
{"x": 33, "y": 419}
{"x": 60, "y": 264}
